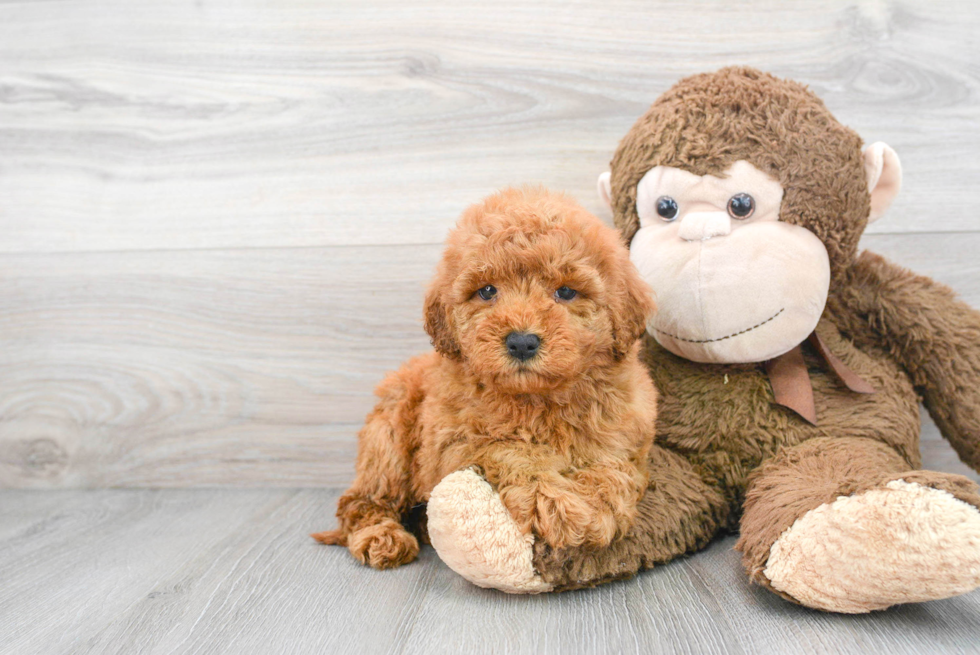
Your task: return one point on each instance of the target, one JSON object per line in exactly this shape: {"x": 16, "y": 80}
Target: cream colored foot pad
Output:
{"x": 905, "y": 543}
{"x": 475, "y": 536}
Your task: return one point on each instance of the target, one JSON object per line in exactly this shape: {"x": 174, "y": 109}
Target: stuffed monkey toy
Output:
{"x": 790, "y": 367}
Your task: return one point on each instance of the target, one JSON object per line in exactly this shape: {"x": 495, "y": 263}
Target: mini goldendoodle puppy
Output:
{"x": 534, "y": 313}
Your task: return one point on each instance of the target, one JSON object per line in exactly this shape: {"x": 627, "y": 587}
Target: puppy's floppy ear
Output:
{"x": 631, "y": 305}
{"x": 438, "y": 323}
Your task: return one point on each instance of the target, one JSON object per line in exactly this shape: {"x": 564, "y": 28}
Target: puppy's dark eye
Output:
{"x": 667, "y": 208}
{"x": 741, "y": 205}
{"x": 564, "y": 293}
{"x": 487, "y": 292}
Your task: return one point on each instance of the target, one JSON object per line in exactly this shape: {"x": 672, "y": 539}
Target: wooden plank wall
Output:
{"x": 217, "y": 218}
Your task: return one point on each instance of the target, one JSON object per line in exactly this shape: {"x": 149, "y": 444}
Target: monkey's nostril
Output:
{"x": 522, "y": 345}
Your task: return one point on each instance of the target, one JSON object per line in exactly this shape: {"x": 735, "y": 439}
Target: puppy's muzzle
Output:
{"x": 522, "y": 346}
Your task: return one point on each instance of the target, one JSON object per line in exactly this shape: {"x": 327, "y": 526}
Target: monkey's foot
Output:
{"x": 902, "y": 543}
{"x": 476, "y": 537}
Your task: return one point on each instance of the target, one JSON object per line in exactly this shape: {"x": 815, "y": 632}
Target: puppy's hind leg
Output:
{"x": 370, "y": 512}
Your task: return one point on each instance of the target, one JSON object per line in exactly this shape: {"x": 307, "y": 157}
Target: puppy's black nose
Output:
{"x": 522, "y": 346}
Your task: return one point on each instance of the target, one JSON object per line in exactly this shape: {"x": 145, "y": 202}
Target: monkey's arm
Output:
{"x": 932, "y": 334}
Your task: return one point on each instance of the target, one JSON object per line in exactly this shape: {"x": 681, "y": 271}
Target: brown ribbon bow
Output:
{"x": 791, "y": 381}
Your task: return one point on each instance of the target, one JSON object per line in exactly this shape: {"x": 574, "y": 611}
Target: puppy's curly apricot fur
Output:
{"x": 564, "y": 433}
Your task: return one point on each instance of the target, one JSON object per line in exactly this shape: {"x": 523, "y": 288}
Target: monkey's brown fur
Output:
{"x": 565, "y": 436}
{"x": 726, "y": 456}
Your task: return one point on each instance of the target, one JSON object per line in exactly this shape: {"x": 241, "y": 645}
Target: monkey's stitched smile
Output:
{"x": 730, "y": 336}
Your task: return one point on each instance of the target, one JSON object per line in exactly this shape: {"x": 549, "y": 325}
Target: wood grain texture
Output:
{"x": 238, "y": 368}
{"x": 182, "y": 368}
{"x": 232, "y": 571}
{"x": 138, "y": 125}
{"x": 219, "y": 218}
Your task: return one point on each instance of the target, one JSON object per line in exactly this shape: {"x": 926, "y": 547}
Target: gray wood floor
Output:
{"x": 232, "y": 571}
{"x": 217, "y": 220}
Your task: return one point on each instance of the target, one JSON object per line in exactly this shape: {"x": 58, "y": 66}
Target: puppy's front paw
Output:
{"x": 614, "y": 494}
{"x": 384, "y": 545}
{"x": 560, "y": 517}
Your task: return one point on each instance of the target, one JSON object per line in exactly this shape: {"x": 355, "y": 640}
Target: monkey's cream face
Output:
{"x": 733, "y": 283}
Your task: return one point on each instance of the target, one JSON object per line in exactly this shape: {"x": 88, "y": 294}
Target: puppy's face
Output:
{"x": 530, "y": 313}
{"x": 533, "y": 291}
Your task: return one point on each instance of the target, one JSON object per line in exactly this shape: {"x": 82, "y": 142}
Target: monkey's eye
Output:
{"x": 564, "y": 293}
{"x": 741, "y": 205}
{"x": 487, "y": 292}
{"x": 667, "y": 208}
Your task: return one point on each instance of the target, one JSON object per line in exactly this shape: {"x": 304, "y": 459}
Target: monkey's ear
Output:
{"x": 604, "y": 187}
{"x": 438, "y": 324}
{"x": 884, "y": 173}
